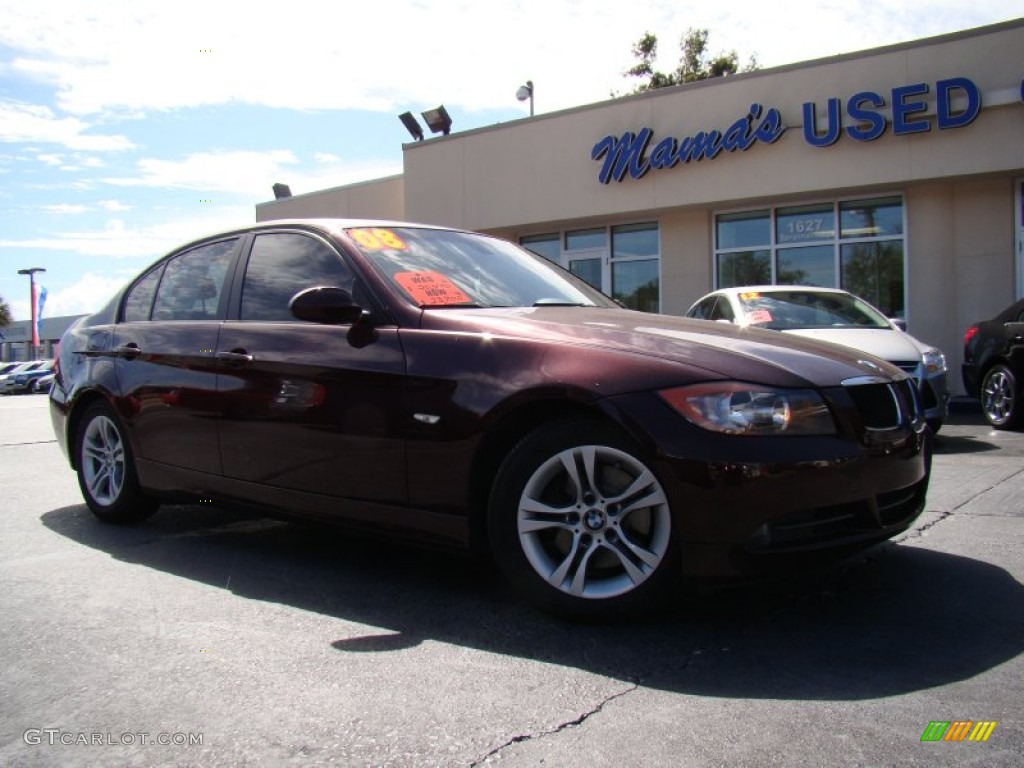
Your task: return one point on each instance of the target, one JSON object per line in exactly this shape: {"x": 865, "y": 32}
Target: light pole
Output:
{"x": 526, "y": 92}
{"x": 31, "y": 272}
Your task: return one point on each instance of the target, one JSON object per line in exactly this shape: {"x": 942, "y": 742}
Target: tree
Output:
{"x": 6, "y": 318}
{"x": 695, "y": 63}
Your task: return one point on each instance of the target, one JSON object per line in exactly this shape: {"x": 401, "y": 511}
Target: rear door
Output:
{"x": 164, "y": 356}
{"x": 309, "y": 407}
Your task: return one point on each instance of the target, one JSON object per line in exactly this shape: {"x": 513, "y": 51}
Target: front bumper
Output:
{"x": 745, "y": 503}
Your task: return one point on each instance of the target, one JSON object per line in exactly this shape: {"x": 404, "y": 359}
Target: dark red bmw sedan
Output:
{"x": 452, "y": 386}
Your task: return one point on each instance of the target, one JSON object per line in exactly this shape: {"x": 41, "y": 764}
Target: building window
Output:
{"x": 857, "y": 245}
{"x": 547, "y": 246}
{"x": 623, "y": 261}
{"x": 635, "y": 266}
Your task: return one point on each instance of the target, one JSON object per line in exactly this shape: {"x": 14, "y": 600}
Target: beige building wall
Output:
{"x": 377, "y": 199}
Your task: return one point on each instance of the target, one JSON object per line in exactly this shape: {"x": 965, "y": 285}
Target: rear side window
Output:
{"x": 283, "y": 264}
{"x": 192, "y": 283}
{"x": 139, "y": 301}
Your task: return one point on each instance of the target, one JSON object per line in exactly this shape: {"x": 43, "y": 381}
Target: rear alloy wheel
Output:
{"x": 1000, "y": 398}
{"x": 580, "y": 524}
{"x": 106, "y": 472}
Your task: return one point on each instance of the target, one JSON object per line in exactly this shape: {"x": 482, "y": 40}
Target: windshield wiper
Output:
{"x": 558, "y": 303}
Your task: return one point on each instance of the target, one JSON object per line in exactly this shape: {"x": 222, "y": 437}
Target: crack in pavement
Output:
{"x": 559, "y": 728}
{"x": 918, "y": 531}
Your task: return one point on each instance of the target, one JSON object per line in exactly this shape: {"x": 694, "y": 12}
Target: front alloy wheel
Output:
{"x": 581, "y": 524}
{"x": 999, "y": 397}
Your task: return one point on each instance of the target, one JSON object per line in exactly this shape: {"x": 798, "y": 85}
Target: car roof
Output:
{"x": 334, "y": 226}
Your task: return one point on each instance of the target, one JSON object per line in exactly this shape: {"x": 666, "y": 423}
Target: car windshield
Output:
{"x": 799, "y": 309}
{"x": 441, "y": 268}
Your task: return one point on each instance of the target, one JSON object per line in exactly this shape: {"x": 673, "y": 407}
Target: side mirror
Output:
{"x": 899, "y": 322}
{"x": 326, "y": 305}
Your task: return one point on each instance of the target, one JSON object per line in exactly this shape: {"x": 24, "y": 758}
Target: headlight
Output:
{"x": 934, "y": 361}
{"x": 735, "y": 408}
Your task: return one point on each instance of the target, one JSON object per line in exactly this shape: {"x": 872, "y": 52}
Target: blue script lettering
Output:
{"x": 628, "y": 153}
{"x": 622, "y": 154}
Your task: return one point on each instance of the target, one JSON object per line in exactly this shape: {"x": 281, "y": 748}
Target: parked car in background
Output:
{"x": 24, "y": 381}
{"x": 993, "y": 366}
{"x": 7, "y": 385}
{"x": 42, "y": 385}
{"x": 839, "y": 317}
{"x": 454, "y": 387}
{"x": 6, "y": 368}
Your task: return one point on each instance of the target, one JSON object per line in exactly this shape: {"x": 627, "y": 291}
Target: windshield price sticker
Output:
{"x": 378, "y": 239}
{"x": 431, "y": 289}
{"x": 759, "y": 316}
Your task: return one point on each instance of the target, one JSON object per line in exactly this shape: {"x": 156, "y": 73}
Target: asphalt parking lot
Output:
{"x": 248, "y": 641}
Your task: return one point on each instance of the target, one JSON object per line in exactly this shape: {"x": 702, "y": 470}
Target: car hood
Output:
{"x": 888, "y": 344}
{"x": 719, "y": 350}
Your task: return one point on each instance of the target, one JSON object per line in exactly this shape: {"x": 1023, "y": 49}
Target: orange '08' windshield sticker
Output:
{"x": 378, "y": 239}
{"x": 429, "y": 289}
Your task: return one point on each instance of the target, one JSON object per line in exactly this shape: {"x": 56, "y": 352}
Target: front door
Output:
{"x": 306, "y": 406}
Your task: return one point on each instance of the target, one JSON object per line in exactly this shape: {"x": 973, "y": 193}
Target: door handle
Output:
{"x": 235, "y": 357}
{"x": 128, "y": 351}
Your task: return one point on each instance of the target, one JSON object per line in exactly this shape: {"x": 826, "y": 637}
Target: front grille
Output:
{"x": 887, "y": 405}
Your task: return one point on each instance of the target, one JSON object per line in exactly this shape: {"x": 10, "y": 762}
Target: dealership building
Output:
{"x": 896, "y": 173}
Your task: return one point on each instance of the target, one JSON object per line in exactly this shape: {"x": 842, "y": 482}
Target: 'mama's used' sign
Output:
{"x": 860, "y": 118}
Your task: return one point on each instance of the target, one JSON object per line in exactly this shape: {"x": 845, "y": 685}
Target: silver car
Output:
{"x": 836, "y": 316}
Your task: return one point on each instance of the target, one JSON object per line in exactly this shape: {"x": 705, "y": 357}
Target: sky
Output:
{"x": 128, "y": 128}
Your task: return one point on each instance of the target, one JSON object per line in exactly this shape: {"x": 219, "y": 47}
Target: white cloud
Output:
{"x": 114, "y": 206}
{"x": 65, "y": 208}
{"x": 123, "y": 55}
{"x": 250, "y": 174}
{"x": 210, "y": 172}
{"x": 27, "y": 122}
{"x": 118, "y": 240}
{"x": 87, "y": 295}
{"x": 50, "y": 159}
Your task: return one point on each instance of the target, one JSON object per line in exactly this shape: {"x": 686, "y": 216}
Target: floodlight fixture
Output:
{"x": 281, "y": 191}
{"x": 438, "y": 120}
{"x": 411, "y": 125}
{"x": 526, "y": 92}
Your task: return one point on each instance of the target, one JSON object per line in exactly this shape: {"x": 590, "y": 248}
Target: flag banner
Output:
{"x": 39, "y": 301}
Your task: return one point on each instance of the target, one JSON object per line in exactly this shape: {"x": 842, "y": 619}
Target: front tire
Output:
{"x": 580, "y": 525}
{"x": 106, "y": 469}
{"x": 1000, "y": 397}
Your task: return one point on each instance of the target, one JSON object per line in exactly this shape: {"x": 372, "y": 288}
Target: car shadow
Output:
{"x": 895, "y": 620}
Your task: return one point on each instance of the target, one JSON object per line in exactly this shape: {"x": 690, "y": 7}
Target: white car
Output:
{"x": 833, "y": 315}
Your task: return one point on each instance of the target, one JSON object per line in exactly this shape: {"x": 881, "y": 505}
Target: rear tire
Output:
{"x": 580, "y": 525}
{"x": 1001, "y": 397}
{"x": 106, "y": 469}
